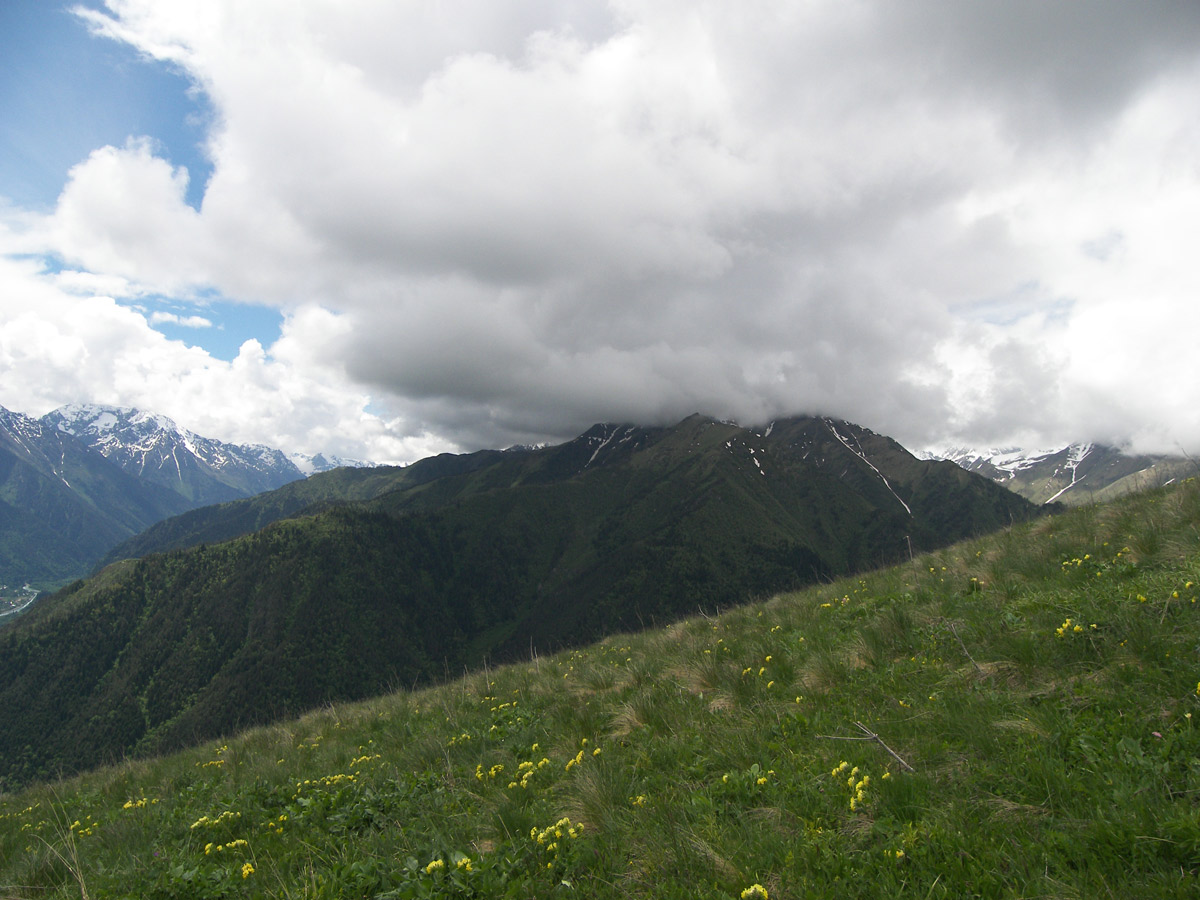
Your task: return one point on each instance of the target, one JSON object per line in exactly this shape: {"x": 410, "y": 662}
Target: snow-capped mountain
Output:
{"x": 155, "y": 449}
{"x": 1072, "y": 474}
{"x": 323, "y": 462}
{"x": 62, "y": 505}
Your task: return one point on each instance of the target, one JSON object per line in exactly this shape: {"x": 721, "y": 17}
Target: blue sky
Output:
{"x": 441, "y": 225}
{"x": 65, "y": 92}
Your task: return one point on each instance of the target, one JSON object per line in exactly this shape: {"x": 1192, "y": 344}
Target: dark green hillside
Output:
{"x": 212, "y": 524}
{"x": 487, "y": 562}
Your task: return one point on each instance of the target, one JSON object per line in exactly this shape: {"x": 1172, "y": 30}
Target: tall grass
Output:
{"x": 1043, "y": 684}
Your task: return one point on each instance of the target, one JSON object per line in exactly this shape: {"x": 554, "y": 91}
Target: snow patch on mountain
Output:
{"x": 857, "y": 450}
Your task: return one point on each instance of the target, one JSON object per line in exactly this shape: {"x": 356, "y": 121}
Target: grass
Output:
{"x": 1043, "y": 684}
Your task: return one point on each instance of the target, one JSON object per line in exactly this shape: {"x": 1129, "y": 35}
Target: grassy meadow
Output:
{"x": 1014, "y": 716}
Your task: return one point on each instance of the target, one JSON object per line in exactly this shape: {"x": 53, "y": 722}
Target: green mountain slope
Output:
{"x": 223, "y": 521}
{"x": 1014, "y": 716}
{"x": 622, "y": 528}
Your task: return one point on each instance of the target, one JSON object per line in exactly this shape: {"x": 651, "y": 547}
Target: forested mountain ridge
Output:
{"x": 223, "y": 521}
{"x": 481, "y": 557}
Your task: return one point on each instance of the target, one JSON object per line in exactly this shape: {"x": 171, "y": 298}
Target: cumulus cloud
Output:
{"x": 158, "y": 317}
{"x": 949, "y": 222}
{"x": 57, "y": 346}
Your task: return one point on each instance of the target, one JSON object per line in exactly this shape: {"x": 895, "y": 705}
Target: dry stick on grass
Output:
{"x": 954, "y": 631}
{"x": 870, "y": 736}
{"x": 1166, "y": 606}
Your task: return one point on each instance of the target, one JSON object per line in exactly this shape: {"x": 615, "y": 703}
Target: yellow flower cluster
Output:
{"x": 247, "y": 870}
{"x": 326, "y": 781}
{"x": 26, "y": 811}
{"x": 137, "y": 804}
{"x": 526, "y": 769}
{"x": 215, "y": 762}
{"x": 86, "y": 828}
{"x": 1070, "y": 625}
{"x": 211, "y": 848}
{"x": 435, "y": 866}
{"x": 858, "y": 786}
{"x": 578, "y": 758}
{"x": 755, "y": 892}
{"x": 276, "y": 825}
{"x": 205, "y": 822}
{"x": 549, "y": 837}
{"x": 481, "y": 773}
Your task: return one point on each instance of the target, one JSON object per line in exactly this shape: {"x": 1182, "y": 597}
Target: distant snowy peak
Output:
{"x": 1008, "y": 461}
{"x": 1075, "y": 473}
{"x": 324, "y": 462}
{"x": 118, "y": 432}
{"x": 154, "y": 447}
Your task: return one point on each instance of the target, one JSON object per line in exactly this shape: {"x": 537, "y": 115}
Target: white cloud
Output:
{"x": 158, "y": 317}
{"x": 56, "y": 347}
{"x": 946, "y": 221}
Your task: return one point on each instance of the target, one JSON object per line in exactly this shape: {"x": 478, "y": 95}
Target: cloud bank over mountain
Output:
{"x": 954, "y": 223}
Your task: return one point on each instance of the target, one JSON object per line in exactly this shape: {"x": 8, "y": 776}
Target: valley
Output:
{"x": 16, "y": 600}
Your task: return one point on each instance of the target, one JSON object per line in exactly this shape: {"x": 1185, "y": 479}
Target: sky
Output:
{"x": 387, "y": 230}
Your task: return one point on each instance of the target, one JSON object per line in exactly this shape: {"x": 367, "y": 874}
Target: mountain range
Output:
{"x": 1075, "y": 474}
{"x": 82, "y": 484}
{"x": 355, "y": 581}
{"x": 83, "y": 478}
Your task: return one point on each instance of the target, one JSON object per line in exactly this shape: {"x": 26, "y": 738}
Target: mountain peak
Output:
{"x": 152, "y": 446}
